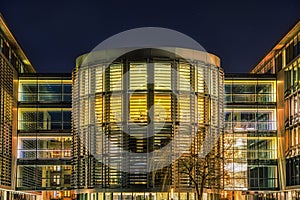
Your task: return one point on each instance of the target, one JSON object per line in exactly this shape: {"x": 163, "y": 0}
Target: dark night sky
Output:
{"x": 53, "y": 33}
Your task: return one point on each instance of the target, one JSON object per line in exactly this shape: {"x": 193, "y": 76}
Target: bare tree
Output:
{"x": 204, "y": 171}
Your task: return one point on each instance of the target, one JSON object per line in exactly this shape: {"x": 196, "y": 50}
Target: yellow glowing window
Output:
{"x": 116, "y": 77}
{"x": 162, "y": 107}
{"x": 138, "y": 107}
{"x": 203, "y": 110}
{"x": 99, "y": 108}
{"x": 184, "y": 108}
{"x": 202, "y": 82}
{"x": 99, "y": 79}
{"x": 184, "y": 77}
{"x": 162, "y": 76}
{"x": 214, "y": 82}
{"x": 115, "y": 108}
{"x": 138, "y": 76}
{"x": 83, "y": 87}
{"x": 84, "y": 105}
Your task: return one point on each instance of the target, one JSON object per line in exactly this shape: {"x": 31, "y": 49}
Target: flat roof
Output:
{"x": 37, "y": 75}
{"x": 249, "y": 76}
{"x": 286, "y": 38}
{"x": 111, "y": 55}
{"x": 15, "y": 45}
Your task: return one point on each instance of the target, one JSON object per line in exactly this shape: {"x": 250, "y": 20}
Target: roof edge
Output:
{"x": 290, "y": 33}
{"x": 15, "y": 45}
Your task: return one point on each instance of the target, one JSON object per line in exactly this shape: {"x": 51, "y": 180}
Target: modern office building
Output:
{"x": 133, "y": 116}
{"x": 250, "y": 139}
{"x": 12, "y": 63}
{"x": 36, "y": 142}
{"x": 44, "y": 148}
{"x": 128, "y": 129}
{"x": 284, "y": 61}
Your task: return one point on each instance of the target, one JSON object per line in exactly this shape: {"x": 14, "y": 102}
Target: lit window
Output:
{"x": 138, "y": 76}
{"x": 162, "y": 76}
{"x": 162, "y": 107}
{"x": 138, "y": 107}
{"x": 116, "y": 77}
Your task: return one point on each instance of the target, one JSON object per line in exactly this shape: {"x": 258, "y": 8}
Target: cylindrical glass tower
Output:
{"x": 135, "y": 118}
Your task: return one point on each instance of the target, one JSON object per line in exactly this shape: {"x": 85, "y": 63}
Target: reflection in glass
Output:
{"x": 44, "y": 119}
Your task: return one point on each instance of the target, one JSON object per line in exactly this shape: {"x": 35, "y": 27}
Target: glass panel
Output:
{"x": 203, "y": 82}
{"x": 184, "y": 79}
{"x": 99, "y": 109}
{"x": 99, "y": 83}
{"x": 203, "y": 111}
{"x": 243, "y": 88}
{"x": 50, "y": 90}
{"x": 162, "y": 76}
{"x": 44, "y": 118}
{"x": 115, "y": 77}
{"x": 162, "y": 107}
{"x": 250, "y": 120}
{"x": 138, "y": 107}
{"x": 67, "y": 92}
{"x": 28, "y": 90}
{"x": 184, "y": 108}
{"x": 262, "y": 176}
{"x": 44, "y": 147}
{"x": 250, "y": 91}
{"x": 138, "y": 76}
{"x": 43, "y": 177}
{"x": 31, "y": 89}
{"x": 265, "y": 92}
{"x": 116, "y": 108}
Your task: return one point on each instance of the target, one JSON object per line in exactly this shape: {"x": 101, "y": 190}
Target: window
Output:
{"x": 67, "y": 179}
{"x": 184, "y": 108}
{"x": 138, "y": 108}
{"x": 55, "y": 180}
{"x": 44, "y": 118}
{"x": 162, "y": 107}
{"x": 115, "y": 77}
{"x": 116, "y": 108}
{"x": 162, "y": 76}
{"x": 184, "y": 79}
{"x": 138, "y": 76}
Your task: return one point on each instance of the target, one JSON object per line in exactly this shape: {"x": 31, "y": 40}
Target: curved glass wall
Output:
{"x": 179, "y": 98}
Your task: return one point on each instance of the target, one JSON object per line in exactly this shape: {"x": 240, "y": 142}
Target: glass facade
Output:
{"x": 12, "y": 62}
{"x": 8, "y": 122}
{"x": 41, "y": 157}
{"x": 123, "y": 98}
{"x": 292, "y": 128}
{"x": 250, "y": 133}
{"x": 44, "y": 149}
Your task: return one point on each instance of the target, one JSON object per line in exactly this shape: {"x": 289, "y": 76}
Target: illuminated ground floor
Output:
{"x": 261, "y": 195}
{"x": 172, "y": 195}
{"x": 224, "y": 195}
{"x": 11, "y": 195}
